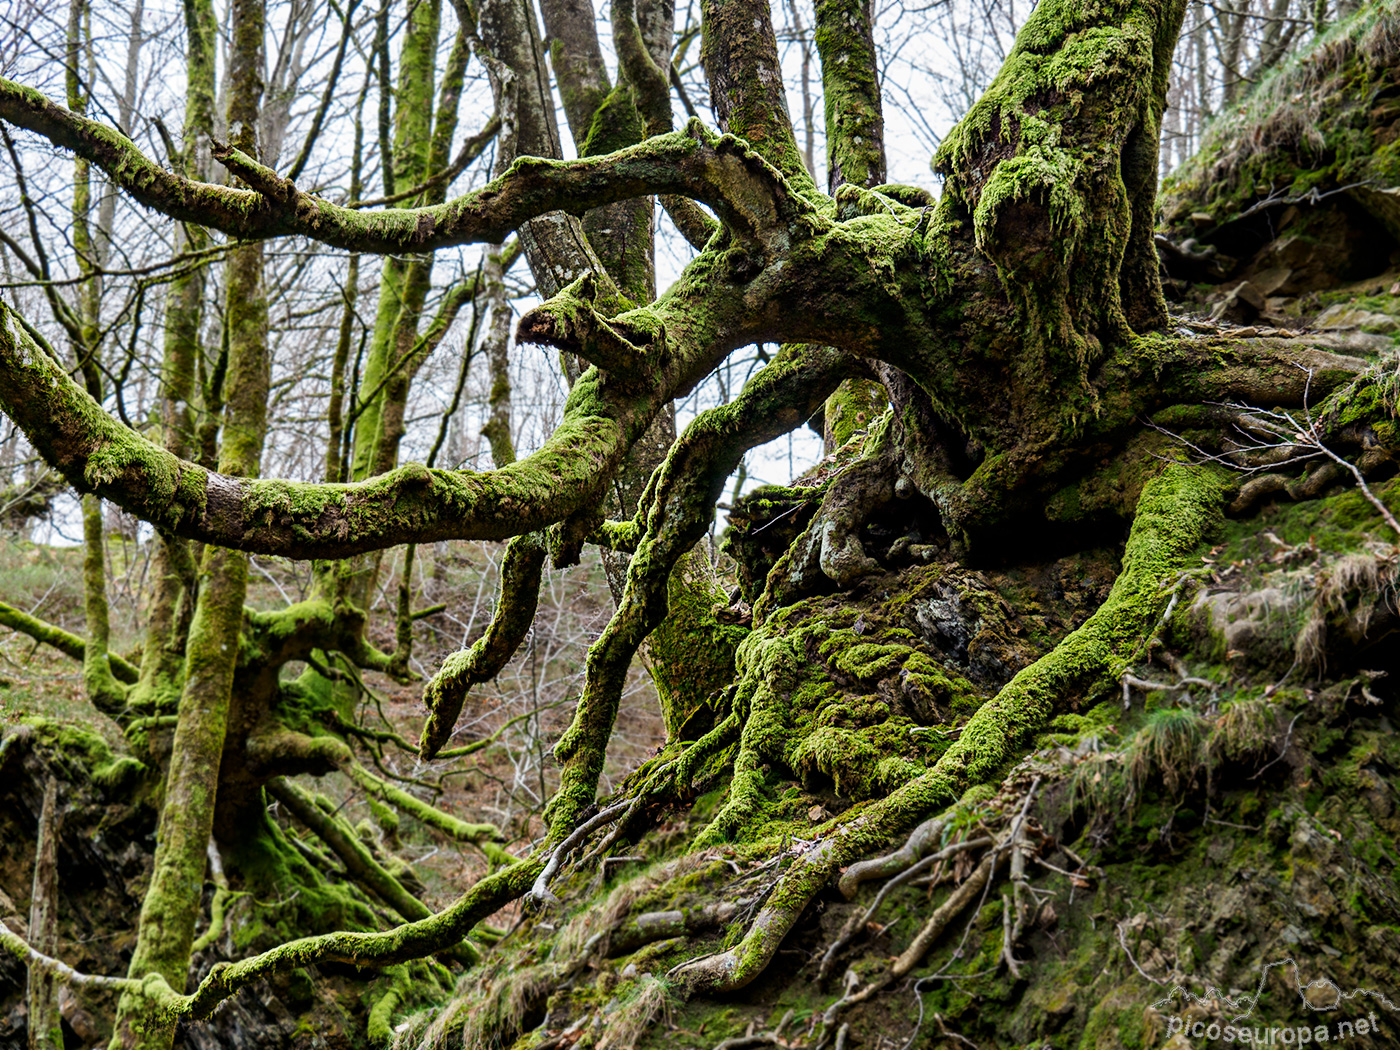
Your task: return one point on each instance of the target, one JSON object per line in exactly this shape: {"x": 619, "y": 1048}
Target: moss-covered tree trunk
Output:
{"x": 173, "y": 901}
{"x": 855, "y": 149}
{"x": 172, "y": 568}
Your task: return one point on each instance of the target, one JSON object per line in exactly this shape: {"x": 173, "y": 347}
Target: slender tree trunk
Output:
{"x": 1232, "y": 18}
{"x": 102, "y": 689}
{"x": 497, "y": 430}
{"x": 173, "y": 900}
{"x": 404, "y": 283}
{"x": 335, "y": 410}
{"x": 1202, "y": 63}
{"x": 45, "y": 1028}
{"x": 809, "y": 129}
{"x": 172, "y": 571}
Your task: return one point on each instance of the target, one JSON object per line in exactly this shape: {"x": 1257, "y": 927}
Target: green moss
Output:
{"x": 616, "y": 123}
{"x": 1338, "y": 524}
{"x": 296, "y": 900}
{"x": 853, "y": 407}
{"x": 1311, "y": 124}
{"x": 692, "y": 653}
{"x": 89, "y": 758}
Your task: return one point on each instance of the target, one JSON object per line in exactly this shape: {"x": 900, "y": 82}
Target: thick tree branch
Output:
{"x": 515, "y": 612}
{"x": 66, "y": 642}
{"x": 415, "y": 940}
{"x": 571, "y": 323}
{"x": 723, "y": 300}
{"x": 410, "y": 504}
{"x": 721, "y": 171}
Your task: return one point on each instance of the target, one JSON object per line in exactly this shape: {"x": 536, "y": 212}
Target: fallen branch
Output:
{"x": 540, "y": 890}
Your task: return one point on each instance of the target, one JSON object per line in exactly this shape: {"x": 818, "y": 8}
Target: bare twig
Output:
{"x": 1281, "y": 751}
{"x": 773, "y": 1037}
{"x": 1348, "y": 465}
{"x": 17, "y": 946}
{"x": 1274, "y": 431}
{"x": 1126, "y": 951}
{"x": 540, "y": 890}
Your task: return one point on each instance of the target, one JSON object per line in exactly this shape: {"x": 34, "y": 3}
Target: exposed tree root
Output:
{"x": 860, "y": 919}
{"x": 540, "y": 890}
{"x": 1174, "y": 512}
{"x": 915, "y": 847}
{"x": 658, "y": 925}
{"x": 751, "y": 1039}
{"x": 975, "y": 886}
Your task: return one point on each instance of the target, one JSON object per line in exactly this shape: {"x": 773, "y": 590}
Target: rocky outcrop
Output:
{"x": 1292, "y": 204}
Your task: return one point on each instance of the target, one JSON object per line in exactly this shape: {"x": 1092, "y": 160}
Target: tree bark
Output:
{"x": 45, "y": 1023}
{"x": 170, "y": 910}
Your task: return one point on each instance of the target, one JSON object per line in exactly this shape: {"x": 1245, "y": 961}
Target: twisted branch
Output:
{"x": 515, "y": 612}
{"x": 677, "y": 507}
{"x": 747, "y": 193}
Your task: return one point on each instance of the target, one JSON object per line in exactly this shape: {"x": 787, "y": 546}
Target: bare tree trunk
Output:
{"x": 809, "y": 129}
{"x": 45, "y": 1028}
{"x": 1203, "y": 95}
{"x": 1232, "y": 19}
{"x": 403, "y": 282}
{"x": 106, "y": 695}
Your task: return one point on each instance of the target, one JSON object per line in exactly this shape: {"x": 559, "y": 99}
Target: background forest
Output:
{"x": 218, "y": 739}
